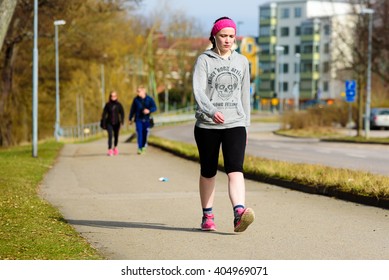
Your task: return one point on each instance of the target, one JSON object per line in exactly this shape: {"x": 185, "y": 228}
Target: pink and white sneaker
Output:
{"x": 208, "y": 223}
{"x": 243, "y": 218}
{"x": 115, "y": 151}
{"x": 110, "y": 153}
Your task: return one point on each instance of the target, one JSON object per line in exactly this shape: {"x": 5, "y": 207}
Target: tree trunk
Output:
{"x": 361, "y": 86}
{"x": 6, "y": 87}
{"x": 7, "y": 9}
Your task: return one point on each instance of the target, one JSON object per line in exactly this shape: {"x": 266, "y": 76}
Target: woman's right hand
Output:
{"x": 218, "y": 118}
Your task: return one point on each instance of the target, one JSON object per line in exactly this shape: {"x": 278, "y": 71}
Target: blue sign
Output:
{"x": 351, "y": 90}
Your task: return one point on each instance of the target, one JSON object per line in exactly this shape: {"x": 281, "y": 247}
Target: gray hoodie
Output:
{"x": 222, "y": 85}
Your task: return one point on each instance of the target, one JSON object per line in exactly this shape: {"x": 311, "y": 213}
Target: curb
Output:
{"x": 322, "y": 190}
{"x": 318, "y": 190}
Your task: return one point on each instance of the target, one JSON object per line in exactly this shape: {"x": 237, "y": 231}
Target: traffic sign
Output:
{"x": 351, "y": 90}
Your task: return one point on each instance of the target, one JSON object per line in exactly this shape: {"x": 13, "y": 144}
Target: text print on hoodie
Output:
{"x": 222, "y": 85}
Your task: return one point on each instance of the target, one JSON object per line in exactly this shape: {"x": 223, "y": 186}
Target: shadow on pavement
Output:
{"x": 156, "y": 226}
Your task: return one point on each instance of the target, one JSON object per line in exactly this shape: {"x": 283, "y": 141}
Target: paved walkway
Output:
{"x": 119, "y": 205}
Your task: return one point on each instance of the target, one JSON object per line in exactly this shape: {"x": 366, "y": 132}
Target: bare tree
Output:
{"x": 93, "y": 27}
{"x": 353, "y": 58}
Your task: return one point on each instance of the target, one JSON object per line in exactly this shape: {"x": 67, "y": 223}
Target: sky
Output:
{"x": 207, "y": 11}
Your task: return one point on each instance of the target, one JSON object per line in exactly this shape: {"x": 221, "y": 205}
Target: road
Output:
{"x": 263, "y": 143}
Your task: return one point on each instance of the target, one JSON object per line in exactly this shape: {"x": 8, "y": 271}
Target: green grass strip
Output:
{"x": 30, "y": 228}
{"x": 319, "y": 178}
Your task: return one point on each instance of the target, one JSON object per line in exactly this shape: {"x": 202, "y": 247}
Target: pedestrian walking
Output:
{"x": 112, "y": 118}
{"x": 142, "y": 107}
{"x": 221, "y": 86}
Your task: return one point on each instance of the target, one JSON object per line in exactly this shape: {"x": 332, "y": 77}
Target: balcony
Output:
{"x": 310, "y": 38}
{"x": 310, "y": 56}
{"x": 310, "y": 75}
{"x": 267, "y": 40}
{"x": 267, "y": 57}
{"x": 268, "y": 21}
{"x": 267, "y": 76}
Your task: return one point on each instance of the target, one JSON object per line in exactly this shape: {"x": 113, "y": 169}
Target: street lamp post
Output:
{"x": 370, "y": 12}
{"x": 297, "y": 88}
{"x": 57, "y": 115}
{"x": 35, "y": 85}
{"x": 280, "y": 80}
{"x": 239, "y": 23}
{"x": 102, "y": 85}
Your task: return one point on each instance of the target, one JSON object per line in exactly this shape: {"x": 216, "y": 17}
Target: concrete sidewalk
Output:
{"x": 119, "y": 205}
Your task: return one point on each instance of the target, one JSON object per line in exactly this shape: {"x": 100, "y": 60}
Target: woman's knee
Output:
{"x": 208, "y": 172}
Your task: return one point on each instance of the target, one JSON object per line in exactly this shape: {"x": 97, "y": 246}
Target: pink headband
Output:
{"x": 222, "y": 24}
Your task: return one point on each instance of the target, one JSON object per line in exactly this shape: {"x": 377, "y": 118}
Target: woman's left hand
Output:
{"x": 218, "y": 117}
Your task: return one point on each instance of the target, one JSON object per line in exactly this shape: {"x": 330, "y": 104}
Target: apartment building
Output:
{"x": 300, "y": 37}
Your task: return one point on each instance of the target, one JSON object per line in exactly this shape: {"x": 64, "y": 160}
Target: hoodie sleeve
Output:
{"x": 246, "y": 92}
{"x": 121, "y": 113}
{"x": 153, "y": 106}
{"x": 105, "y": 111}
{"x": 200, "y": 85}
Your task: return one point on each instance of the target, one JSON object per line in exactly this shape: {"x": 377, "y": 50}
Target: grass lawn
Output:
{"x": 30, "y": 228}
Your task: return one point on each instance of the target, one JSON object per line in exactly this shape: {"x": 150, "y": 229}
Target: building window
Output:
{"x": 326, "y": 86}
{"x": 327, "y": 29}
{"x": 286, "y": 49}
{"x": 307, "y": 49}
{"x": 326, "y": 67}
{"x": 264, "y": 31}
{"x": 326, "y": 48}
{"x": 297, "y": 49}
{"x": 284, "y": 31}
{"x": 298, "y": 30}
{"x": 285, "y": 87}
{"x": 285, "y": 68}
{"x": 265, "y": 48}
{"x": 265, "y": 13}
{"x": 285, "y": 13}
{"x": 306, "y": 67}
{"x": 307, "y": 30}
{"x": 297, "y": 12}
{"x": 267, "y": 67}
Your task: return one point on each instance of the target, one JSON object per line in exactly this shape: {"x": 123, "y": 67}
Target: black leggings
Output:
{"x": 113, "y": 129}
{"x": 233, "y": 142}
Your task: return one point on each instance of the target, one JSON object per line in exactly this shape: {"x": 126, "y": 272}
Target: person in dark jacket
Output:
{"x": 141, "y": 108}
{"x": 113, "y": 118}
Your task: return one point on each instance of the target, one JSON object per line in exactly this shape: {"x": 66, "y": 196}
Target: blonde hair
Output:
{"x": 110, "y": 94}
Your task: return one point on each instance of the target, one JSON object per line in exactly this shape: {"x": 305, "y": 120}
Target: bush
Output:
{"x": 319, "y": 116}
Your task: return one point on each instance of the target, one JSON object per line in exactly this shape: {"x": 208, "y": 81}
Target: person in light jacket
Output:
{"x": 221, "y": 87}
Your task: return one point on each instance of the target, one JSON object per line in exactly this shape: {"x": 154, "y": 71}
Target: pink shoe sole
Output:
{"x": 246, "y": 219}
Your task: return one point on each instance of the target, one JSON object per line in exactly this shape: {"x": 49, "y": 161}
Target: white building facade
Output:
{"x": 300, "y": 48}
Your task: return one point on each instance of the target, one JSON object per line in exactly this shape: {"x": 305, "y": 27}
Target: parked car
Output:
{"x": 379, "y": 118}
{"x": 313, "y": 103}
